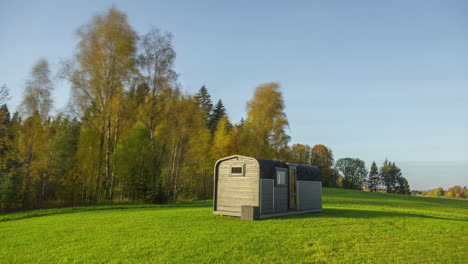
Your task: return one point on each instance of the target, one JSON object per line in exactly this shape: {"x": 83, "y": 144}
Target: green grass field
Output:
{"x": 355, "y": 227}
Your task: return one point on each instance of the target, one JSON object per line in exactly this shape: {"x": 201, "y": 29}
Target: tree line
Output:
{"x": 131, "y": 134}
{"x": 453, "y": 192}
{"x": 350, "y": 173}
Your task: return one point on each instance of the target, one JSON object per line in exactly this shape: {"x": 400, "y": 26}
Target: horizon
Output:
{"x": 379, "y": 80}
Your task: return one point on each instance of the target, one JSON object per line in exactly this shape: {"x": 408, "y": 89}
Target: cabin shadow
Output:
{"x": 364, "y": 214}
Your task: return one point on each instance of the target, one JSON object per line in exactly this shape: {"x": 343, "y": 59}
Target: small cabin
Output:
{"x": 254, "y": 188}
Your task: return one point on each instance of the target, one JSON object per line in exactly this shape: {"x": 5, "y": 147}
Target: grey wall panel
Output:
{"x": 266, "y": 193}
{"x": 309, "y": 195}
{"x": 281, "y": 198}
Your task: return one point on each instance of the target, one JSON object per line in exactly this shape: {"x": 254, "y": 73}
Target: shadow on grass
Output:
{"x": 327, "y": 212}
{"x": 355, "y": 213}
{"x": 77, "y": 209}
{"x": 410, "y": 204}
{"x": 346, "y": 196}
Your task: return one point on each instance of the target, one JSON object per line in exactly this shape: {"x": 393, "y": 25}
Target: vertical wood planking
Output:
{"x": 234, "y": 190}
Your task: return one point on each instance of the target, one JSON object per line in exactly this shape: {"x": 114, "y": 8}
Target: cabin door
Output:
{"x": 292, "y": 187}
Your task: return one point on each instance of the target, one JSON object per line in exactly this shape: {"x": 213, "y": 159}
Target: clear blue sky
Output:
{"x": 369, "y": 79}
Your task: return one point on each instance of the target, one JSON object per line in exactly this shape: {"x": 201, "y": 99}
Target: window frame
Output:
{"x": 240, "y": 165}
{"x": 278, "y": 169}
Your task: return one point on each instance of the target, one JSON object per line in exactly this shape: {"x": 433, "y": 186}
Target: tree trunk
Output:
{"x": 27, "y": 180}
{"x": 154, "y": 160}
{"x": 116, "y": 132}
{"x": 172, "y": 169}
{"x": 43, "y": 183}
{"x": 99, "y": 173}
{"x": 178, "y": 161}
{"x": 108, "y": 152}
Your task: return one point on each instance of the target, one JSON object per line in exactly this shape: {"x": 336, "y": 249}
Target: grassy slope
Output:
{"x": 355, "y": 227}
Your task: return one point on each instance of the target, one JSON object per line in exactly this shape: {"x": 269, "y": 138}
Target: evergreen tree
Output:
{"x": 217, "y": 114}
{"x": 5, "y": 137}
{"x": 374, "y": 178}
{"x": 385, "y": 175}
{"x": 203, "y": 99}
{"x": 4, "y": 94}
{"x": 390, "y": 175}
{"x": 12, "y": 178}
{"x": 402, "y": 185}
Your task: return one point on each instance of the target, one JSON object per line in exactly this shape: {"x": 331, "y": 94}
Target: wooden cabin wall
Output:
{"x": 235, "y": 191}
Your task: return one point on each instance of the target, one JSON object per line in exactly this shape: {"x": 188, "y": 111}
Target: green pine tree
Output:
{"x": 5, "y": 138}
{"x": 374, "y": 178}
{"x": 203, "y": 98}
{"x": 217, "y": 114}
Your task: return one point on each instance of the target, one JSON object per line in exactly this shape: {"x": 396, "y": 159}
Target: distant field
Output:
{"x": 355, "y": 227}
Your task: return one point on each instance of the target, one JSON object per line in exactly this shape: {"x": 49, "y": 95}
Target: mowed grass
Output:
{"x": 355, "y": 227}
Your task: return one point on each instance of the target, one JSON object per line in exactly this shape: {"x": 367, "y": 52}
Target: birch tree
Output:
{"x": 264, "y": 131}
{"x": 103, "y": 64}
{"x": 223, "y": 141}
{"x": 36, "y": 106}
{"x": 155, "y": 68}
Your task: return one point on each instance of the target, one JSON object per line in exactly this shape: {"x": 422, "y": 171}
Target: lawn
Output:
{"x": 355, "y": 227}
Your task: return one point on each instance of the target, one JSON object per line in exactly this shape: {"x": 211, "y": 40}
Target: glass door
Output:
{"x": 292, "y": 187}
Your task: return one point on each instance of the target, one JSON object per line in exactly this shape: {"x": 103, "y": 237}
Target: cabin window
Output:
{"x": 237, "y": 170}
{"x": 281, "y": 175}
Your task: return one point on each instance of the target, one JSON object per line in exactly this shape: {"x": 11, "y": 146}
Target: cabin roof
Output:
{"x": 268, "y": 169}
{"x": 304, "y": 172}
{"x": 308, "y": 173}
